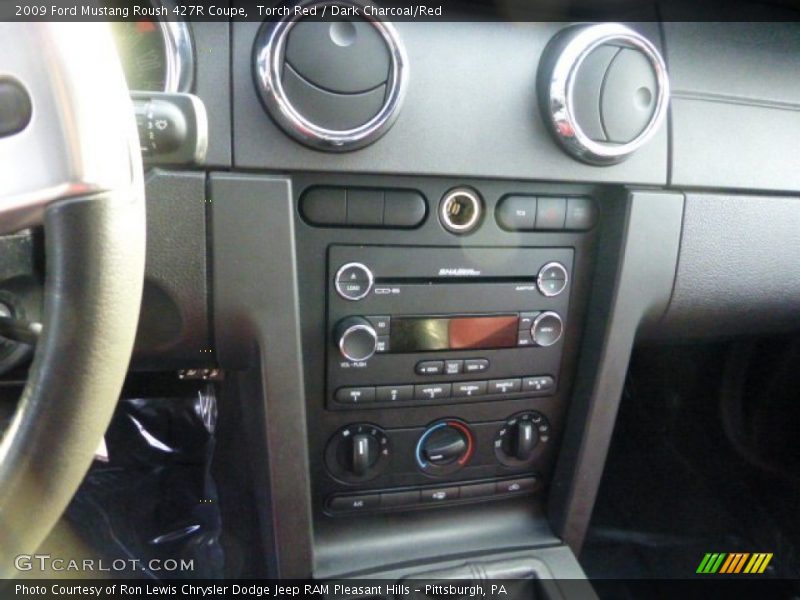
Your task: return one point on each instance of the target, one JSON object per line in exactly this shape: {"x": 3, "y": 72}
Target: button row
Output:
{"x": 437, "y": 391}
{"x": 433, "y": 495}
{"x": 451, "y": 367}
{"x": 529, "y": 213}
{"x": 363, "y": 207}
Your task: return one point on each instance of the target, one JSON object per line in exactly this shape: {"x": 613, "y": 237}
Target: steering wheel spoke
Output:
{"x": 77, "y": 138}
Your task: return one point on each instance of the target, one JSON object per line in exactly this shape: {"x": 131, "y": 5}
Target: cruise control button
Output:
{"x": 430, "y": 367}
{"x": 468, "y": 389}
{"x": 15, "y": 107}
{"x": 355, "y": 503}
{"x": 439, "y": 494}
{"x": 505, "y": 386}
{"x": 453, "y": 367}
{"x": 544, "y": 383}
{"x": 394, "y": 393}
{"x": 513, "y": 486}
{"x": 432, "y": 391}
{"x": 476, "y": 365}
{"x": 355, "y": 395}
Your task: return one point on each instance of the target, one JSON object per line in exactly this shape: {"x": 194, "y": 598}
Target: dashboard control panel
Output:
{"x": 440, "y": 348}
{"x": 444, "y": 325}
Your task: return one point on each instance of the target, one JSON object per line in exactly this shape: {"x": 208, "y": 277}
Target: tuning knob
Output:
{"x": 547, "y": 328}
{"x": 358, "y": 452}
{"x": 445, "y": 447}
{"x": 519, "y": 437}
{"x": 356, "y": 338}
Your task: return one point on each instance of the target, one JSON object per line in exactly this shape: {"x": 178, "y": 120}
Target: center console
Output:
{"x": 438, "y": 362}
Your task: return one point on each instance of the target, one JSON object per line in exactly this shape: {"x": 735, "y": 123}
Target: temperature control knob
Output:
{"x": 358, "y": 452}
{"x": 356, "y": 338}
{"x": 520, "y": 436}
{"x": 445, "y": 447}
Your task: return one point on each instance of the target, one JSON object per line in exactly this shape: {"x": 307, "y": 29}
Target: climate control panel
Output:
{"x": 508, "y": 451}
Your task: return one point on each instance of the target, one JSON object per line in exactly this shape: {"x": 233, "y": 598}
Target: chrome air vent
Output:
{"x": 330, "y": 76}
{"x": 603, "y": 91}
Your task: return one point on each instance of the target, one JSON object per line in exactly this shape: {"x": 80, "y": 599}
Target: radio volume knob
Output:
{"x": 356, "y": 338}
{"x": 547, "y": 328}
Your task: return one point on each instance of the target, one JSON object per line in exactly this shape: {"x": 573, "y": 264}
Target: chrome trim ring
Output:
{"x": 353, "y": 329}
{"x": 365, "y": 269}
{"x": 551, "y": 265}
{"x": 477, "y": 210}
{"x": 179, "y": 51}
{"x": 269, "y": 51}
{"x": 560, "y": 84}
{"x": 538, "y": 320}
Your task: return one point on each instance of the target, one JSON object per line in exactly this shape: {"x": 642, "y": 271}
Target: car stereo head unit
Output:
{"x": 440, "y": 325}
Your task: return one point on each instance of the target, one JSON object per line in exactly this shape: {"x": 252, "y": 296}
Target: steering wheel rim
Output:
{"x": 75, "y": 169}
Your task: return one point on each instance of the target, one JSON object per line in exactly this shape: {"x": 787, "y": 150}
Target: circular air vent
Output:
{"x": 603, "y": 90}
{"x": 333, "y": 82}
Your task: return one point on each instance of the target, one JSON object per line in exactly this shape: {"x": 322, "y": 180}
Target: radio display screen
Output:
{"x": 431, "y": 334}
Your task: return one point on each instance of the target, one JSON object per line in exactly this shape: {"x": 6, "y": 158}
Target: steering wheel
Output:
{"x": 73, "y": 165}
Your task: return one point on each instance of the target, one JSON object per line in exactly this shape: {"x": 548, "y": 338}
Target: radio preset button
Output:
{"x": 353, "y": 281}
{"x": 505, "y": 386}
{"x": 432, "y": 391}
{"x": 430, "y": 367}
{"x": 355, "y": 395}
{"x": 394, "y": 393}
{"x": 476, "y": 365}
{"x": 382, "y": 325}
{"x": 544, "y": 383}
{"x": 453, "y": 367}
{"x": 468, "y": 389}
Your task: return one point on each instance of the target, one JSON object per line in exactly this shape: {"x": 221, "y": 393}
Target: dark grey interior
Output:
{"x": 689, "y": 243}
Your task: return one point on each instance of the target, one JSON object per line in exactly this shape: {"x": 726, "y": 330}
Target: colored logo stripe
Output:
{"x": 710, "y": 563}
{"x": 734, "y": 562}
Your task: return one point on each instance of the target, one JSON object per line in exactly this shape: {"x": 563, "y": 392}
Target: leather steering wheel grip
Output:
{"x": 76, "y": 168}
{"x": 95, "y": 266}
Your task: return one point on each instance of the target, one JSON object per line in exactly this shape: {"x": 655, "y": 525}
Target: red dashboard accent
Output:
{"x": 470, "y": 441}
